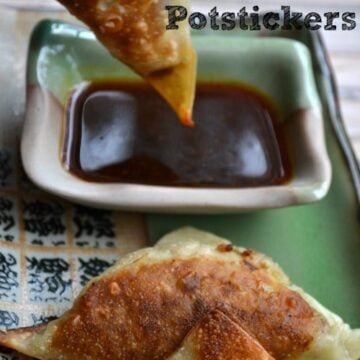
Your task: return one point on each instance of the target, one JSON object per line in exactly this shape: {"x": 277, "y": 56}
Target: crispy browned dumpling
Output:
{"x": 134, "y": 31}
{"x": 179, "y": 295}
{"x": 217, "y": 337}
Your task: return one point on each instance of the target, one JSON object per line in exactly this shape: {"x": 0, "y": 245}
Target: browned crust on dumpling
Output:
{"x": 131, "y": 29}
{"x": 217, "y": 337}
{"x": 145, "y": 312}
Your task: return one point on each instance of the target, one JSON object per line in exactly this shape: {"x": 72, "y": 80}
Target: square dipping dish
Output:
{"x": 89, "y": 117}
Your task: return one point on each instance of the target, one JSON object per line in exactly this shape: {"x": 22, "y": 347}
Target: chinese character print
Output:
{"x": 44, "y": 223}
{"x": 7, "y": 167}
{"x": 93, "y": 228}
{"x": 91, "y": 267}
{"x": 48, "y": 279}
{"x": 8, "y": 320}
{"x": 9, "y": 277}
{"x": 8, "y": 223}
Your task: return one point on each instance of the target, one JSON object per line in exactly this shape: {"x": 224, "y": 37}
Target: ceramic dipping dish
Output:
{"x": 63, "y": 57}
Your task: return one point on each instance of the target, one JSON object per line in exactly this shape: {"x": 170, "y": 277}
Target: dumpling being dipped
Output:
{"x": 193, "y": 296}
{"x": 134, "y": 31}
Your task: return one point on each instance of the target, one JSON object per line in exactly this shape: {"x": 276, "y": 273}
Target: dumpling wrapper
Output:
{"x": 154, "y": 302}
{"x": 134, "y": 31}
{"x": 217, "y": 337}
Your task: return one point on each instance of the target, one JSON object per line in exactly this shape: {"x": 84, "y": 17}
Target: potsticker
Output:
{"x": 134, "y": 31}
{"x": 192, "y": 296}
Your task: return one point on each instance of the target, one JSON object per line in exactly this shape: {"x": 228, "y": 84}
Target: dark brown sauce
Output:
{"x": 125, "y": 133}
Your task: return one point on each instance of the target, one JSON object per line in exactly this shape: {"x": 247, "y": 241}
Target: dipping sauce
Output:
{"x": 126, "y": 133}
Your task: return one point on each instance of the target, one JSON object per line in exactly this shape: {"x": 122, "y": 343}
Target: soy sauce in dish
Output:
{"x": 126, "y": 133}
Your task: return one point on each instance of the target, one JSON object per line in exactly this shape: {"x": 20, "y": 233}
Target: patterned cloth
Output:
{"x": 49, "y": 248}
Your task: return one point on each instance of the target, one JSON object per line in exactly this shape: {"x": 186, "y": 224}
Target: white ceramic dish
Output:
{"x": 63, "y": 56}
